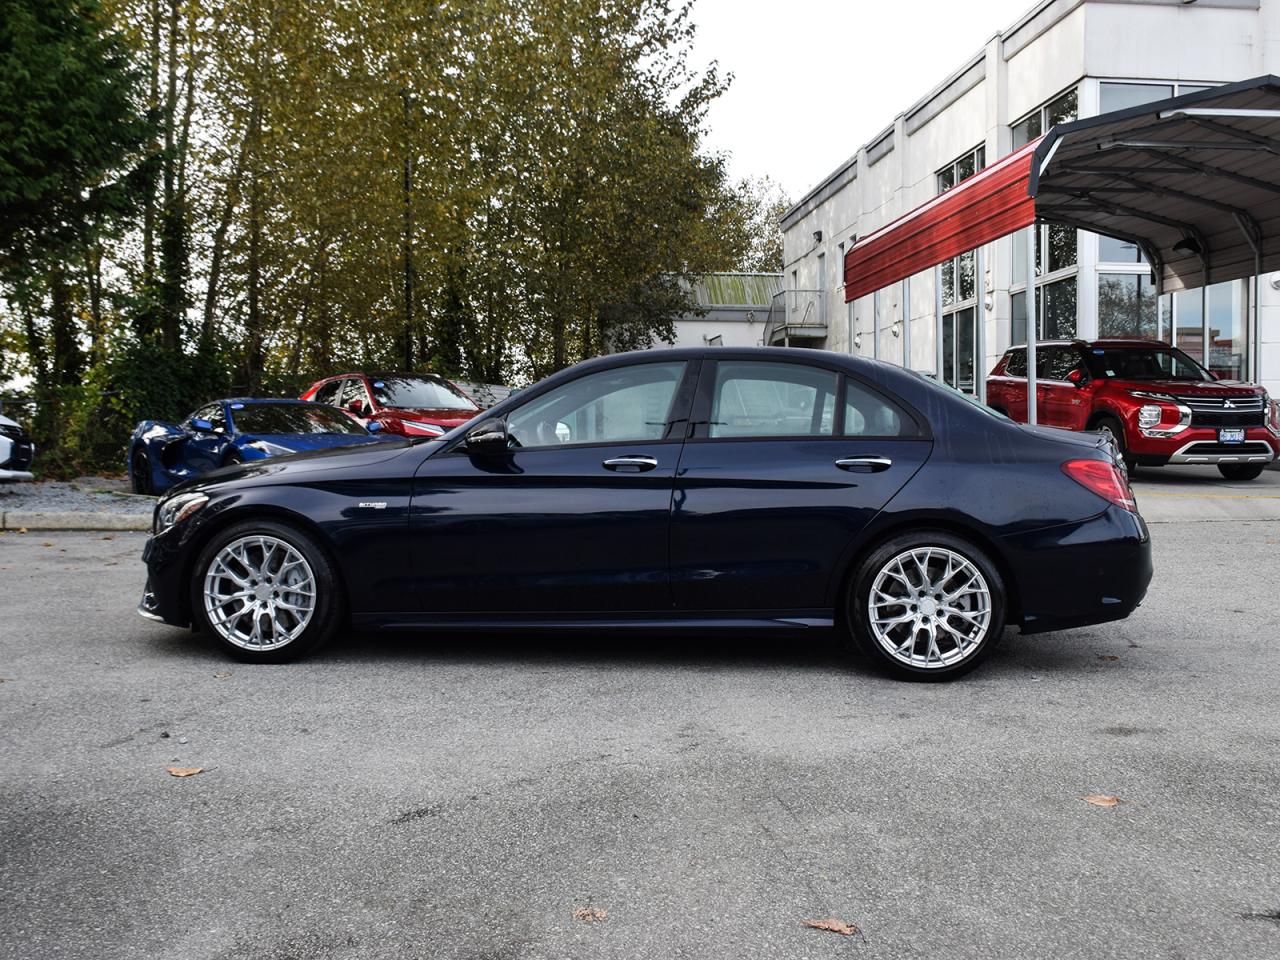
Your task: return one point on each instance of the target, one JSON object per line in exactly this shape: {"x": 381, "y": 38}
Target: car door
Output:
{"x": 1013, "y": 392}
{"x": 573, "y": 516}
{"x": 205, "y": 449}
{"x": 788, "y": 462}
{"x": 1056, "y": 396}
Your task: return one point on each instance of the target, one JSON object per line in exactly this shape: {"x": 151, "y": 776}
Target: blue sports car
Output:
{"x": 236, "y": 431}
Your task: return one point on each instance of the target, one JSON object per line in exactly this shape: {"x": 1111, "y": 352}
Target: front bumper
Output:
{"x": 1076, "y": 574}
{"x": 8, "y": 475}
{"x": 1200, "y": 446}
{"x": 165, "y": 598}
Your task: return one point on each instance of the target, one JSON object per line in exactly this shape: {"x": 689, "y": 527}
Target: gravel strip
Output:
{"x": 82, "y": 495}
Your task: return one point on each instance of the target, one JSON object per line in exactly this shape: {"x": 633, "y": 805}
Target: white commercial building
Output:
{"x": 1063, "y": 60}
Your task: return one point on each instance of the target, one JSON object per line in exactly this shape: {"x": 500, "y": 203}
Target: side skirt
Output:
{"x": 711, "y": 621}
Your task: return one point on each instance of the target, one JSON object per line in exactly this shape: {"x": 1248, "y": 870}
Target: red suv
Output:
{"x": 1158, "y": 405}
{"x": 409, "y": 404}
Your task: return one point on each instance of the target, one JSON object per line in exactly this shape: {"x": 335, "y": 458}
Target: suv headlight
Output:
{"x": 1148, "y": 416}
{"x": 174, "y": 510}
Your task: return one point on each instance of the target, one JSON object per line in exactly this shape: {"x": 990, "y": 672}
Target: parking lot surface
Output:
{"x": 461, "y": 797}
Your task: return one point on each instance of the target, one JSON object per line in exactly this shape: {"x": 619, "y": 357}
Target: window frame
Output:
{"x": 979, "y": 157}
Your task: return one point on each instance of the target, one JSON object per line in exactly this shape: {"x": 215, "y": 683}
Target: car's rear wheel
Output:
{"x": 1112, "y": 429}
{"x": 267, "y": 592}
{"x": 140, "y": 472}
{"x": 1241, "y": 471}
{"x": 927, "y": 605}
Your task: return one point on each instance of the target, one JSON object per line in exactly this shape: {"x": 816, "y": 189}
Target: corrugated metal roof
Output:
{"x": 736, "y": 289}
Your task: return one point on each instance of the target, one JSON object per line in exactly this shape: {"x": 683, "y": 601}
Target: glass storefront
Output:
{"x": 1127, "y": 306}
{"x": 1225, "y": 308}
{"x": 1055, "y": 311}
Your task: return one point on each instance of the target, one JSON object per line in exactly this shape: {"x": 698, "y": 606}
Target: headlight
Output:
{"x": 1148, "y": 416}
{"x": 1150, "y": 395}
{"x": 174, "y": 510}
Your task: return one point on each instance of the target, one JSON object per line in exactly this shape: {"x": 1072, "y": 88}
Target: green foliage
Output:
{"x": 496, "y": 189}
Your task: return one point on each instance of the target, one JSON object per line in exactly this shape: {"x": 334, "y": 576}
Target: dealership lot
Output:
{"x": 463, "y": 797}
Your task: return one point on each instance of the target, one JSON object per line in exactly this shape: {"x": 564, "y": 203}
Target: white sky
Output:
{"x": 816, "y": 79}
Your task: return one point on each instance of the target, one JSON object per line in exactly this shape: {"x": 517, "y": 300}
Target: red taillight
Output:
{"x": 1104, "y": 479}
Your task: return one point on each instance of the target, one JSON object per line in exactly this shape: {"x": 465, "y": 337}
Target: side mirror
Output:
{"x": 204, "y": 426}
{"x": 356, "y": 408}
{"x": 1077, "y": 378}
{"x": 488, "y": 437}
{"x": 373, "y": 426}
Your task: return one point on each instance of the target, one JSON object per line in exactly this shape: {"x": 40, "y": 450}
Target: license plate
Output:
{"x": 1231, "y": 436}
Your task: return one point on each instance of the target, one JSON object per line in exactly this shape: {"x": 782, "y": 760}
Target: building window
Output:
{"x": 1056, "y": 270}
{"x": 1061, "y": 109}
{"x": 962, "y": 169}
{"x": 1127, "y": 306}
{"x": 1122, "y": 95}
{"x": 1114, "y": 250}
{"x": 1216, "y": 314}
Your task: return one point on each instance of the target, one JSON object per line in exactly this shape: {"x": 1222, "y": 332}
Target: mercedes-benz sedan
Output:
{"x": 674, "y": 490}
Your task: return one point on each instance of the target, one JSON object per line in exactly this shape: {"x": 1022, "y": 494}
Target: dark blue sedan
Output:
{"x": 235, "y": 431}
{"x": 714, "y": 489}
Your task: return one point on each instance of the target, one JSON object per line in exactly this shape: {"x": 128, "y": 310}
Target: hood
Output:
{"x": 1191, "y": 388}
{"x": 327, "y": 465}
{"x": 440, "y": 417}
{"x": 6, "y": 422}
{"x": 315, "y": 441}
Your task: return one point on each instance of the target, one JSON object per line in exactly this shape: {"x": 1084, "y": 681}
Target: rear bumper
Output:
{"x": 1076, "y": 574}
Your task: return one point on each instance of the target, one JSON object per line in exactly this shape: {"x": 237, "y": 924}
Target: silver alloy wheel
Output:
{"x": 259, "y": 593}
{"x": 930, "y": 607}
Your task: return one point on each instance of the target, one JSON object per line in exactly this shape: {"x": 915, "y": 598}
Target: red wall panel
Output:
{"x": 981, "y": 209}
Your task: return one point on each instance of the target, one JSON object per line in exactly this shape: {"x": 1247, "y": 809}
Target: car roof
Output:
{"x": 264, "y": 401}
{"x": 1115, "y": 342}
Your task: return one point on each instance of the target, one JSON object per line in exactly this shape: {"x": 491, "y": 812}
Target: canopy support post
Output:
{"x": 906, "y": 323}
{"x": 1253, "y": 236}
{"x": 937, "y": 320}
{"x": 979, "y": 326}
{"x": 1033, "y": 327}
{"x": 875, "y": 325}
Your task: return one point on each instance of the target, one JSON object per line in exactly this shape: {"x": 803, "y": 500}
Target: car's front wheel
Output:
{"x": 140, "y": 472}
{"x": 1241, "y": 471}
{"x": 267, "y": 592}
{"x": 927, "y": 605}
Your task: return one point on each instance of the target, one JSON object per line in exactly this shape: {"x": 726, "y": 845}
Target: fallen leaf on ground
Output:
{"x": 223, "y": 675}
{"x": 832, "y": 925}
{"x": 1101, "y": 799}
{"x": 590, "y": 914}
{"x": 184, "y": 771}
{"x": 1108, "y": 657}
{"x": 46, "y": 543}
{"x": 108, "y": 537}
{"x": 22, "y": 529}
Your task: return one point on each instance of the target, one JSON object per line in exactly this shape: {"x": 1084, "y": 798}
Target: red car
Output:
{"x": 1158, "y": 405}
{"x": 408, "y": 404}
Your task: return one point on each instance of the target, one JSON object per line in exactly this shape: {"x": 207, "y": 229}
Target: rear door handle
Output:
{"x": 864, "y": 464}
{"x": 630, "y": 464}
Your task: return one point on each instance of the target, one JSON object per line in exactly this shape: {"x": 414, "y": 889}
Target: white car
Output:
{"x": 16, "y": 451}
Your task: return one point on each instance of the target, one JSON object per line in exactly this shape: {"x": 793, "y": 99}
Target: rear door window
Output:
{"x": 328, "y": 393}
{"x": 761, "y": 399}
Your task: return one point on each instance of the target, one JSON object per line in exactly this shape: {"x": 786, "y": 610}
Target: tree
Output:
{"x": 765, "y": 202}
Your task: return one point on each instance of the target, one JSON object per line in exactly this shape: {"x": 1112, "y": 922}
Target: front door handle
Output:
{"x": 630, "y": 464}
{"x": 864, "y": 464}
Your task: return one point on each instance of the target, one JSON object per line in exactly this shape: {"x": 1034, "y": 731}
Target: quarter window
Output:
{"x": 754, "y": 399}
{"x": 612, "y": 406}
{"x": 328, "y": 393}
{"x": 1017, "y": 365}
{"x": 868, "y": 414}
{"x": 355, "y": 393}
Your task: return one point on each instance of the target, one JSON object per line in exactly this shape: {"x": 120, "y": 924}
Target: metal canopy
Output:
{"x": 1194, "y": 181}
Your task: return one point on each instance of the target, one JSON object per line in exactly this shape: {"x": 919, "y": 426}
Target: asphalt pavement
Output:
{"x": 501, "y": 798}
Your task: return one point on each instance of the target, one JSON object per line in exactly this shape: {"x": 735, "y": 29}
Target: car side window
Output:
{"x": 214, "y": 413}
{"x": 623, "y": 404}
{"x": 868, "y": 414}
{"x": 329, "y": 393}
{"x": 1017, "y": 364}
{"x": 354, "y": 393}
{"x": 760, "y": 399}
{"x": 1054, "y": 363}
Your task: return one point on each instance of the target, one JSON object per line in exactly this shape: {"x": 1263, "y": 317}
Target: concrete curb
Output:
{"x": 73, "y": 520}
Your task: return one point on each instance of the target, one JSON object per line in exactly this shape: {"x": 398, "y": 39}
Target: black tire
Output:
{"x": 1115, "y": 429}
{"x": 140, "y": 472}
{"x": 859, "y": 617}
{"x": 231, "y": 457}
{"x": 327, "y": 615}
{"x": 1241, "y": 471}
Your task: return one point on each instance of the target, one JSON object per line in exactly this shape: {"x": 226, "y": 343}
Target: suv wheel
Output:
{"x": 266, "y": 592}
{"x": 1112, "y": 429}
{"x": 927, "y": 605}
{"x": 1241, "y": 471}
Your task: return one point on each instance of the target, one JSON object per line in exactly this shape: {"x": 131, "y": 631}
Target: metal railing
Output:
{"x": 795, "y": 313}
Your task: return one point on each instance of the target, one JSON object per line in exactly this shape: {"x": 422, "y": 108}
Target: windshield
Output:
{"x": 426, "y": 393}
{"x": 1144, "y": 363}
{"x": 951, "y": 391}
{"x": 269, "y": 418}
